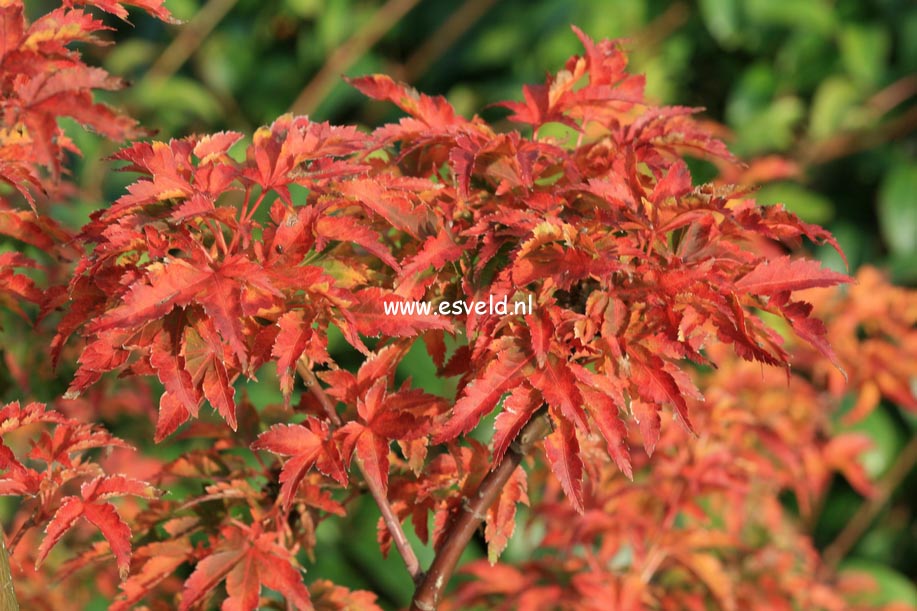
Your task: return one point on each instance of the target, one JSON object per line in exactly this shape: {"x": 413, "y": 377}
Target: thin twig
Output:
{"x": 469, "y": 516}
{"x": 21, "y": 531}
{"x": 867, "y": 512}
{"x": 889, "y": 97}
{"x": 318, "y": 392}
{"x": 848, "y": 143}
{"x": 443, "y": 38}
{"x": 661, "y": 28}
{"x": 411, "y": 563}
{"x": 189, "y": 39}
{"x": 345, "y": 55}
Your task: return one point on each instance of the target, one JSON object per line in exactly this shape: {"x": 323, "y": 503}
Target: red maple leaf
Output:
{"x": 92, "y": 505}
{"x": 562, "y": 451}
{"x": 308, "y": 446}
{"x": 383, "y": 417}
{"x": 246, "y": 557}
{"x": 501, "y": 516}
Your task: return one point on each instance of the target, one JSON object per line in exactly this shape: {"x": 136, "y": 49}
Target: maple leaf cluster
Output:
{"x": 62, "y": 454}
{"x": 43, "y": 79}
{"x": 231, "y": 260}
{"x": 704, "y": 520}
{"x": 210, "y": 267}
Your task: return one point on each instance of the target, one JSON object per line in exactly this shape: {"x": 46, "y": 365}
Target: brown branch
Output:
{"x": 411, "y": 563}
{"x": 867, "y": 512}
{"x": 345, "y": 55}
{"x": 189, "y": 39}
{"x": 470, "y": 516}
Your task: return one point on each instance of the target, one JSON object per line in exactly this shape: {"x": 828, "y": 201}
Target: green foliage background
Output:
{"x": 830, "y": 84}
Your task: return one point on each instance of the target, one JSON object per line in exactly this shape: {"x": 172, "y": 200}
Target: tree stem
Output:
{"x": 471, "y": 514}
{"x": 8, "y": 600}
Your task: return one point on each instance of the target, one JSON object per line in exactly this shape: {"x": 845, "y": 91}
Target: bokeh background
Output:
{"x": 829, "y": 85}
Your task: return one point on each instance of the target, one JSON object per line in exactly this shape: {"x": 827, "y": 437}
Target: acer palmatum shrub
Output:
{"x": 225, "y": 262}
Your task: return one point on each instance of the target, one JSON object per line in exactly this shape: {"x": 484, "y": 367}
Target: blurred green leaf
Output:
{"x": 130, "y": 55}
{"x": 886, "y": 438}
{"x": 805, "y": 58}
{"x": 833, "y": 100}
{"x": 856, "y": 246}
{"x": 305, "y": 8}
{"x": 907, "y": 35}
{"x": 809, "y": 205}
{"x": 225, "y": 61}
{"x": 891, "y": 586}
{"x": 812, "y": 15}
{"x": 864, "y": 50}
{"x": 499, "y": 42}
{"x": 183, "y": 9}
{"x": 722, "y": 19}
{"x": 177, "y": 99}
{"x": 335, "y": 25}
{"x": 753, "y": 93}
{"x": 771, "y": 129}
{"x": 898, "y": 210}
